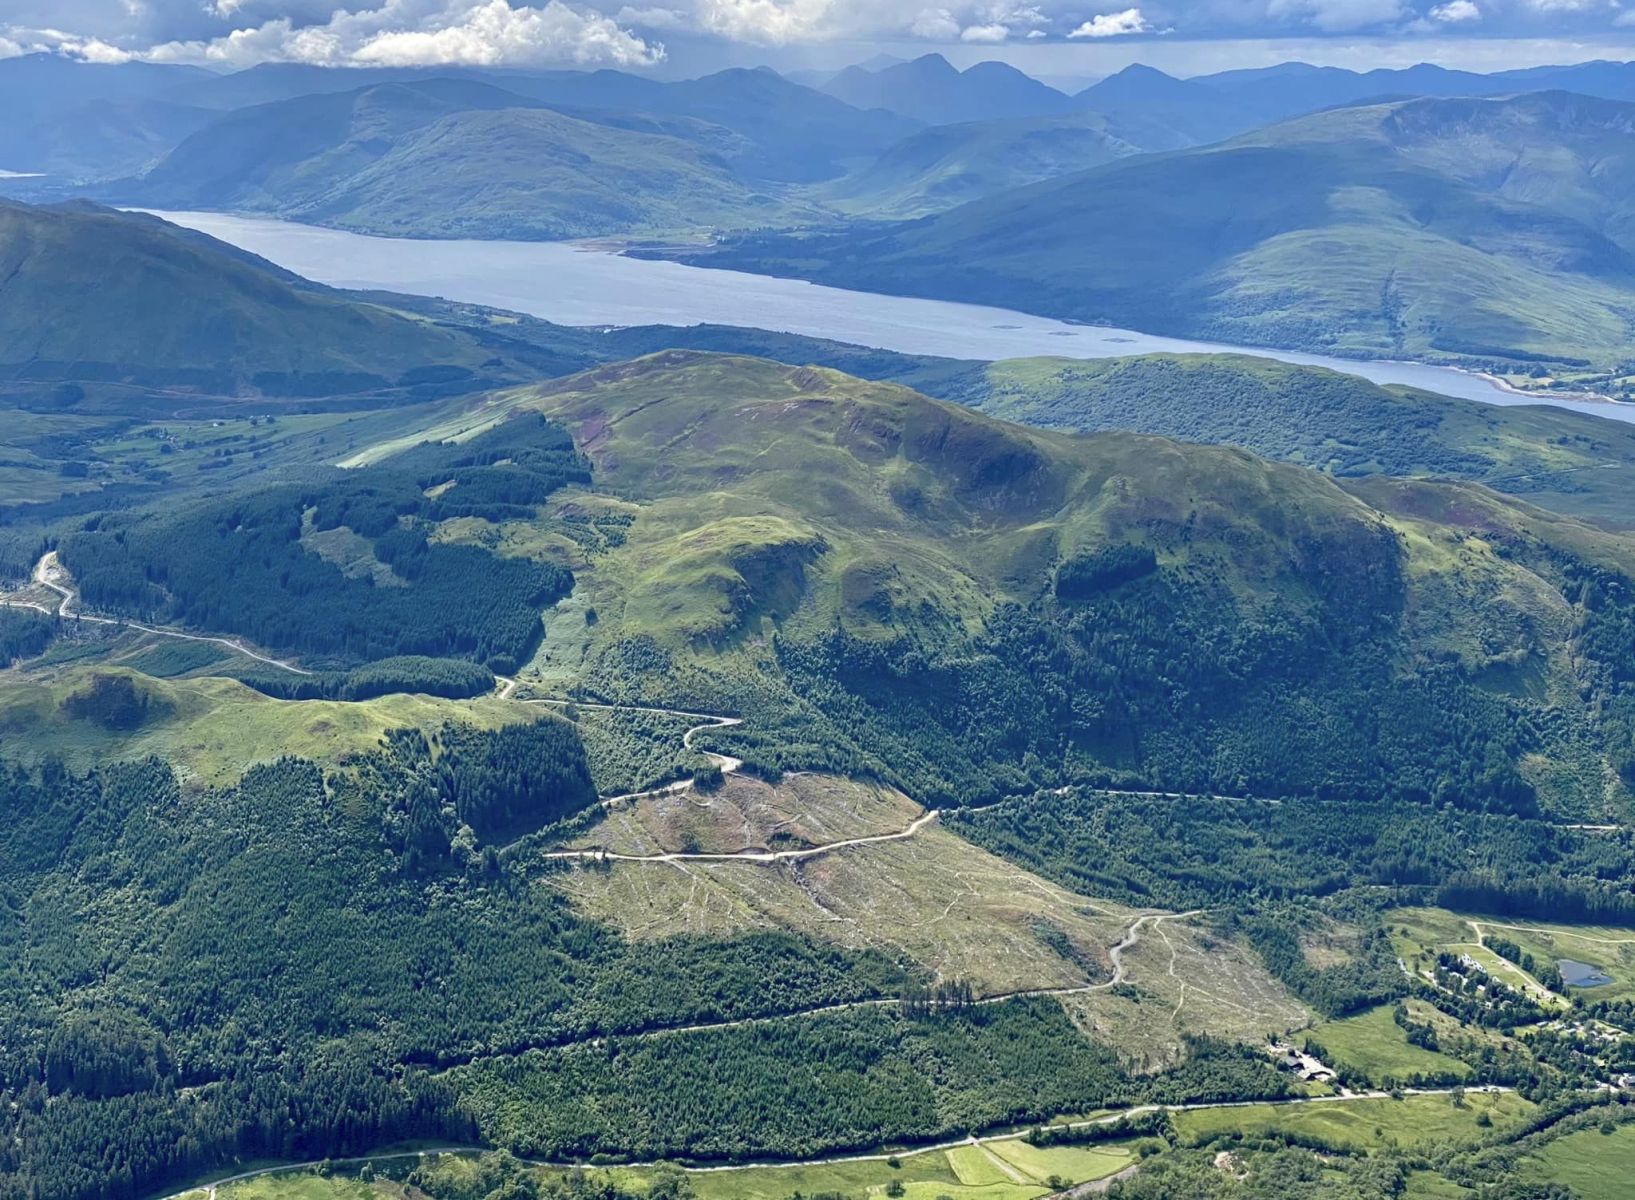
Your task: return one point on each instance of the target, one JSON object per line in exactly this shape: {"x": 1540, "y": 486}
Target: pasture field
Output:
{"x": 1413, "y": 1121}
{"x": 1005, "y": 1169}
{"x": 1596, "y": 1165}
{"x": 1373, "y": 1045}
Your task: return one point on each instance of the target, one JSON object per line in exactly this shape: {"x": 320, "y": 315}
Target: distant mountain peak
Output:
{"x": 926, "y": 64}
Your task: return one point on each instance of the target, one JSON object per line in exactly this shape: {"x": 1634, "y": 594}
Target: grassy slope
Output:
{"x": 93, "y": 294}
{"x": 1573, "y": 462}
{"x": 763, "y": 499}
{"x": 883, "y": 509}
{"x": 806, "y": 494}
{"x": 212, "y": 729}
{"x": 1363, "y": 247}
{"x": 1412, "y": 1121}
{"x": 1372, "y": 1045}
{"x": 1596, "y": 1165}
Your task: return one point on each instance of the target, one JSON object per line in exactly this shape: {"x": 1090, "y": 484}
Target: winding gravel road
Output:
{"x": 49, "y": 570}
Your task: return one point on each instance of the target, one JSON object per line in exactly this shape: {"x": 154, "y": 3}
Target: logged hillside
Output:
{"x": 98, "y": 296}
{"x": 970, "y": 607}
{"x": 401, "y": 158}
{"x": 1486, "y": 230}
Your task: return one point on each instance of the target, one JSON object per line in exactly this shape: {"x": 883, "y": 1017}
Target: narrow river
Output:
{"x": 577, "y": 285}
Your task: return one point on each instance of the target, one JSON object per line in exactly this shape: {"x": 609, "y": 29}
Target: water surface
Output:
{"x": 573, "y": 284}
{"x": 1580, "y": 974}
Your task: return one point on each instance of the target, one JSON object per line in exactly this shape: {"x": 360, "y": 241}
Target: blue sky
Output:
{"x": 1051, "y": 37}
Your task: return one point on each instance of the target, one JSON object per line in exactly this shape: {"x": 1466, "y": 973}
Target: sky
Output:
{"x": 1062, "y": 38}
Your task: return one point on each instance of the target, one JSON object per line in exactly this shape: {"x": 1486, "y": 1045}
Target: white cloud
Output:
{"x": 405, "y": 33}
{"x": 98, "y": 51}
{"x": 935, "y": 24}
{"x": 652, "y": 18}
{"x": 71, "y": 45}
{"x": 1119, "y": 24}
{"x": 495, "y": 33}
{"x": 1456, "y": 12}
{"x": 623, "y": 32}
{"x": 774, "y": 22}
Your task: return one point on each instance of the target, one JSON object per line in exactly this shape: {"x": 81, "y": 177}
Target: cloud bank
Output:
{"x": 621, "y": 34}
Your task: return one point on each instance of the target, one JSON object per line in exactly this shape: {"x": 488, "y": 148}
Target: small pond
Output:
{"x": 1578, "y": 974}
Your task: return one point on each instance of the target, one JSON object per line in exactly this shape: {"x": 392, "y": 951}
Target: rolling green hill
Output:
{"x": 97, "y": 296}
{"x": 1471, "y": 230}
{"x": 401, "y": 159}
{"x": 926, "y": 592}
{"x": 1573, "y": 462}
{"x": 1432, "y": 680}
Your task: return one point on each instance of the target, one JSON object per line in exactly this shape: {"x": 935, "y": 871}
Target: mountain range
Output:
{"x": 930, "y": 89}
{"x": 1489, "y": 229}
{"x": 401, "y": 158}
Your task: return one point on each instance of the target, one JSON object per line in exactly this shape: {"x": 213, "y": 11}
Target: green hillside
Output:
{"x": 948, "y": 165}
{"x": 1422, "y": 229}
{"x": 402, "y": 159}
{"x": 103, "y": 297}
{"x": 881, "y": 576}
{"x": 1572, "y": 462}
{"x": 908, "y": 604}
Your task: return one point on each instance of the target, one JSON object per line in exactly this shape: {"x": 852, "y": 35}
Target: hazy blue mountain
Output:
{"x": 72, "y": 119}
{"x": 947, "y": 165}
{"x": 1174, "y": 113}
{"x": 36, "y": 82}
{"x": 791, "y": 132}
{"x": 1496, "y": 228}
{"x": 100, "y": 139}
{"x": 453, "y": 157}
{"x": 1213, "y": 107}
{"x": 932, "y": 90}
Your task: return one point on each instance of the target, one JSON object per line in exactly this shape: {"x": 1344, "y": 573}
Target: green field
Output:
{"x": 1007, "y": 1169}
{"x": 1413, "y": 1121}
{"x": 212, "y": 729}
{"x": 1596, "y": 1165}
{"x": 1373, "y": 1045}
